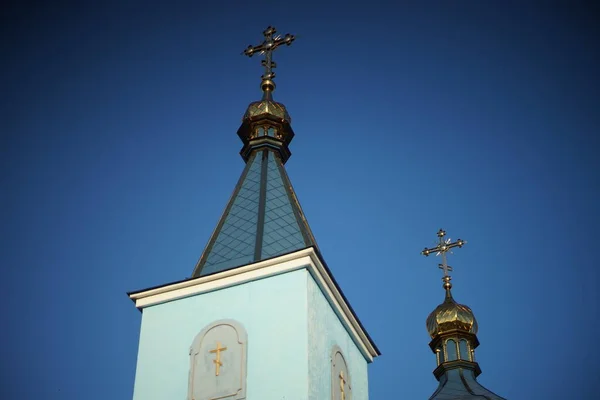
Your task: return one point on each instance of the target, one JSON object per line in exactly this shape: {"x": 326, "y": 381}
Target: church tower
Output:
{"x": 262, "y": 316}
{"x": 453, "y": 331}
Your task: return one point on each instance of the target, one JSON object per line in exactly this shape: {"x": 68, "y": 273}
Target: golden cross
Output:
{"x": 267, "y": 47}
{"x": 442, "y": 248}
{"x": 342, "y": 383}
{"x": 217, "y": 361}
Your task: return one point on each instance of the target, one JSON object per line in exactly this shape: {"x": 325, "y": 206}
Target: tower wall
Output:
{"x": 325, "y": 332}
{"x": 273, "y": 312}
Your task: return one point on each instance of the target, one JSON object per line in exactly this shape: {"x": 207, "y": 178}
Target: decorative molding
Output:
{"x": 448, "y": 365}
{"x": 301, "y": 259}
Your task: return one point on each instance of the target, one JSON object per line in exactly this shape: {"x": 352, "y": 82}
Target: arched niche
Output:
{"x": 451, "y": 350}
{"x": 463, "y": 350}
{"x": 218, "y": 362}
{"x": 341, "y": 387}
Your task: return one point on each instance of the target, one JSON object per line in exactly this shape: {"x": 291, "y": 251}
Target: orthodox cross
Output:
{"x": 217, "y": 360}
{"x": 442, "y": 248}
{"x": 342, "y": 383}
{"x": 267, "y": 47}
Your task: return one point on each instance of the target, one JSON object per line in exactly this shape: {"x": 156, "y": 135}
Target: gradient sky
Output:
{"x": 119, "y": 153}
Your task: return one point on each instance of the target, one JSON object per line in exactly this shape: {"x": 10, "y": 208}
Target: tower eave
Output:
{"x": 448, "y": 365}
{"x": 262, "y": 142}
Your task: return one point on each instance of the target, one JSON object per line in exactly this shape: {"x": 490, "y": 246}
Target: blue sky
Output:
{"x": 119, "y": 152}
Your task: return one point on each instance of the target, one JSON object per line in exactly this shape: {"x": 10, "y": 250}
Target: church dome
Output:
{"x": 449, "y": 316}
{"x": 267, "y": 106}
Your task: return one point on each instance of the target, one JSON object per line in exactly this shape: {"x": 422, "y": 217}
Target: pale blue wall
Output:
{"x": 324, "y": 331}
{"x": 274, "y": 313}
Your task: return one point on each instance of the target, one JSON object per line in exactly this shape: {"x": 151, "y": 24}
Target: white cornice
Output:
{"x": 306, "y": 258}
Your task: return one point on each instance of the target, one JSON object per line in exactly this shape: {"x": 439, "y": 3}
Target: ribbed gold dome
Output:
{"x": 267, "y": 106}
{"x": 450, "y": 315}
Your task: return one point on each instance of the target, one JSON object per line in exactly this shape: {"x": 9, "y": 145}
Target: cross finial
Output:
{"x": 444, "y": 246}
{"x": 267, "y": 47}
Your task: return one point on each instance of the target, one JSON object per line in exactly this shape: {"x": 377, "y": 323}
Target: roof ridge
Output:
{"x": 262, "y": 219}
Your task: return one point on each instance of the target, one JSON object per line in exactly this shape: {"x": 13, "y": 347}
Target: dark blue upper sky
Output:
{"x": 119, "y": 153}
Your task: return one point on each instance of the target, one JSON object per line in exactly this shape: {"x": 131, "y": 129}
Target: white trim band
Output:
{"x": 306, "y": 258}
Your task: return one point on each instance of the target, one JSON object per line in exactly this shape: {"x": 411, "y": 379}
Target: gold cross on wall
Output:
{"x": 342, "y": 384}
{"x": 442, "y": 248}
{"x": 217, "y": 360}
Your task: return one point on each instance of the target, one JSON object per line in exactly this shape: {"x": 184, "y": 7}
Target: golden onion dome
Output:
{"x": 450, "y": 316}
{"x": 267, "y": 106}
